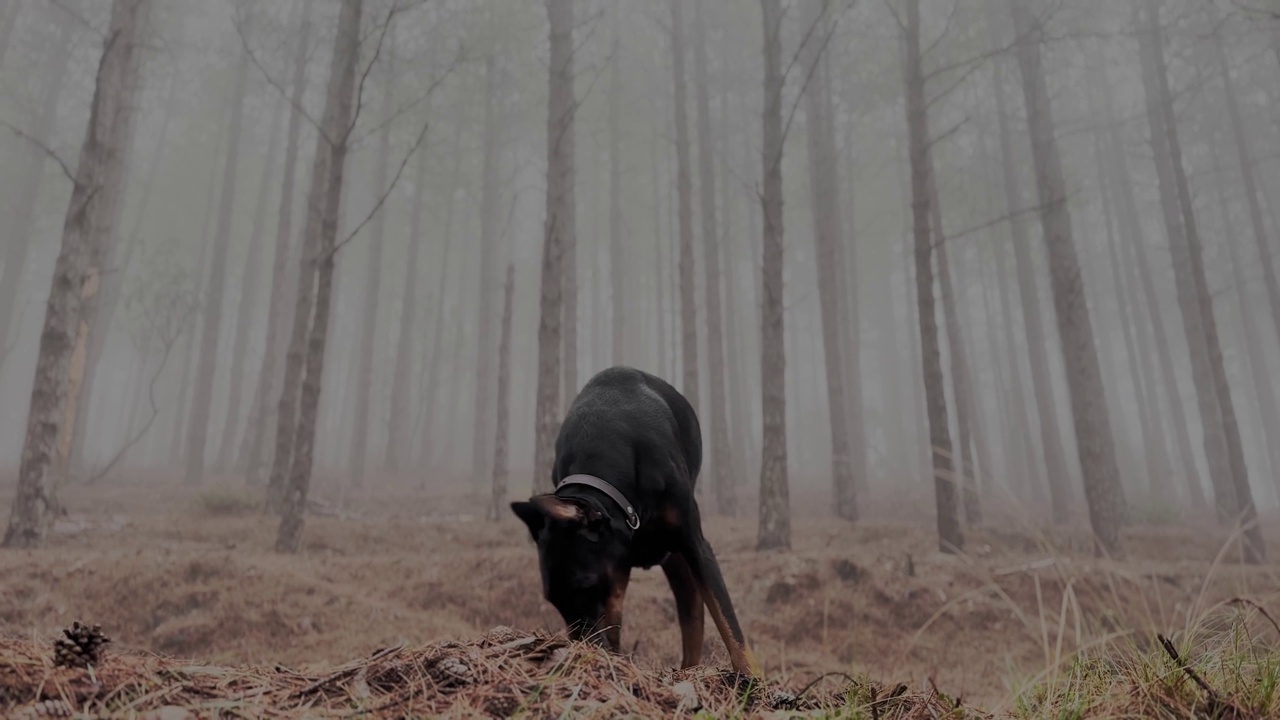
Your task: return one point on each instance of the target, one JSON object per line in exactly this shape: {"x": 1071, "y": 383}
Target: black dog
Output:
{"x": 626, "y": 462}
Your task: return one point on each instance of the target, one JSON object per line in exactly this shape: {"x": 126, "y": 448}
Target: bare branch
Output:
{"x": 946, "y": 29}
{"x": 43, "y": 148}
{"x": 383, "y": 199}
{"x": 950, "y": 131}
{"x": 288, "y": 97}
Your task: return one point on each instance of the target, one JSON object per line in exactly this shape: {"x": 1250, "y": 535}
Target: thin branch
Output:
{"x": 364, "y": 76}
{"x": 288, "y": 97}
{"x": 43, "y": 148}
{"x": 383, "y": 199}
{"x": 946, "y": 29}
{"x": 151, "y": 399}
{"x": 952, "y": 131}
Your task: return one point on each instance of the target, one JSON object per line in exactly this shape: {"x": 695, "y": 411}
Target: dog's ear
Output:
{"x": 527, "y": 512}
{"x": 537, "y": 510}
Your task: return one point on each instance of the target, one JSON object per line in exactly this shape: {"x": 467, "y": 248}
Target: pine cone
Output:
{"x": 451, "y": 670}
{"x": 504, "y": 704}
{"x": 81, "y": 647}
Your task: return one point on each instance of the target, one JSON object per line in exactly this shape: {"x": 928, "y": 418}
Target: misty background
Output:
{"x": 445, "y": 189}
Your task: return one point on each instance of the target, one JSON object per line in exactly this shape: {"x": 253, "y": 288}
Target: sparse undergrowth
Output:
{"x": 1222, "y": 670}
{"x": 505, "y": 673}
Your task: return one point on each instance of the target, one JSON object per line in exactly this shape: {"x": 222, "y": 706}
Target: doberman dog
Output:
{"x": 627, "y": 458}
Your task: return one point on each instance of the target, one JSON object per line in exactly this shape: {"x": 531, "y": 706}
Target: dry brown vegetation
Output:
{"x": 192, "y": 577}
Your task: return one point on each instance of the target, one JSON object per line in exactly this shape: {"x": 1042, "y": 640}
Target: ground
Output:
{"x": 189, "y": 572}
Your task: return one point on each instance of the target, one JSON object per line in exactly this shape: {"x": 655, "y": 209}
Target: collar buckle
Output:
{"x": 633, "y": 518}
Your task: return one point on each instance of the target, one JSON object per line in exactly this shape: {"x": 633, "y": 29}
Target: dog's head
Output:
{"x": 583, "y": 556}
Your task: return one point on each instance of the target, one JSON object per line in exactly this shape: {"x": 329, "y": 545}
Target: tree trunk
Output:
{"x": 775, "y": 505}
{"x": 1017, "y": 397}
{"x": 961, "y": 382}
{"x": 1028, "y": 298}
{"x": 1134, "y": 254}
{"x": 399, "y": 428}
{"x": 720, "y": 465}
{"x": 558, "y": 234}
{"x": 364, "y": 421}
{"x": 8, "y": 18}
{"x": 950, "y": 539}
{"x": 97, "y": 308}
{"x": 259, "y": 425}
{"x": 1094, "y": 441}
{"x": 248, "y": 300}
{"x": 1156, "y": 454}
{"x": 826, "y": 240}
{"x": 1181, "y": 249}
{"x": 18, "y": 231}
{"x": 483, "y": 428}
{"x": 319, "y": 246}
{"x": 617, "y": 266}
{"x": 189, "y": 356}
{"x": 739, "y": 410}
{"x": 110, "y": 300}
{"x": 684, "y": 195}
{"x": 84, "y": 229}
{"x": 659, "y": 286}
{"x": 499, "y": 495}
{"x": 198, "y": 430}
{"x": 1263, "y": 384}
{"x": 429, "y": 447}
{"x": 1250, "y": 186}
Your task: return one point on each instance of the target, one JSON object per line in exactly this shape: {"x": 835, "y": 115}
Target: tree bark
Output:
{"x": 499, "y": 494}
{"x": 430, "y": 446}
{"x": 950, "y": 539}
{"x": 1250, "y": 186}
{"x": 684, "y": 196}
{"x": 483, "y": 429}
{"x": 823, "y": 194}
{"x": 1094, "y": 441}
{"x": 1134, "y": 254}
{"x": 189, "y": 356}
{"x": 399, "y": 428}
{"x": 617, "y": 265}
{"x": 110, "y": 300}
{"x": 720, "y": 464}
{"x": 558, "y": 234}
{"x": 259, "y": 425}
{"x": 54, "y": 68}
{"x": 8, "y": 18}
{"x": 86, "y": 225}
{"x": 1028, "y": 298}
{"x": 364, "y": 422}
{"x": 97, "y": 308}
{"x": 1263, "y": 384}
{"x": 319, "y": 243}
{"x": 1156, "y": 454}
{"x": 248, "y": 300}
{"x": 1017, "y": 397}
{"x": 1184, "y": 250}
{"x": 659, "y": 284}
{"x": 775, "y": 505}
{"x": 961, "y": 382}
{"x": 201, "y": 405}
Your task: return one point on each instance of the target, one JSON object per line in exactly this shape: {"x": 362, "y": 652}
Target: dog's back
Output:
{"x": 622, "y": 411}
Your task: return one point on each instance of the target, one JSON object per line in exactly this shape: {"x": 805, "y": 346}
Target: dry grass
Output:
{"x": 505, "y": 673}
{"x": 1027, "y": 624}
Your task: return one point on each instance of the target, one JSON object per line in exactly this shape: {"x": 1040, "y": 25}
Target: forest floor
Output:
{"x": 1023, "y": 617}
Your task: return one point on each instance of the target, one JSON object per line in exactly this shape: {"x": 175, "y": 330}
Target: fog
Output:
{"x": 1087, "y": 322}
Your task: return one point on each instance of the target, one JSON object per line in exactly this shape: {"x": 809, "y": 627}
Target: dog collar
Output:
{"x": 633, "y": 520}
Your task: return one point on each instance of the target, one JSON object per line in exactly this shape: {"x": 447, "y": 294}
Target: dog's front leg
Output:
{"x": 613, "y": 613}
